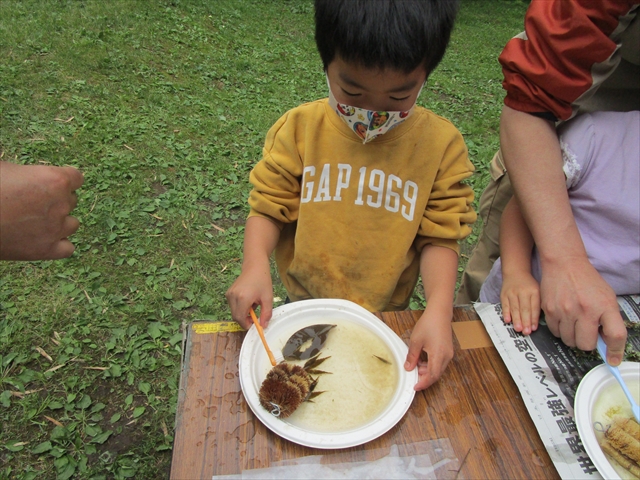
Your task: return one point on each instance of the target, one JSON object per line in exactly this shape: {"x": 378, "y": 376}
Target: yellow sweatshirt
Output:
{"x": 355, "y": 217}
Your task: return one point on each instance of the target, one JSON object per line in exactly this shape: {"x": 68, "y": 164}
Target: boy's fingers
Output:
{"x": 266, "y": 310}
{"x": 412, "y": 356}
{"x": 423, "y": 377}
{"x": 246, "y": 321}
{"x": 423, "y": 383}
{"x": 428, "y": 374}
{"x": 239, "y": 310}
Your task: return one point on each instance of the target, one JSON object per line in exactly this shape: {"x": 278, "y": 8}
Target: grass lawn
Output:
{"x": 164, "y": 106}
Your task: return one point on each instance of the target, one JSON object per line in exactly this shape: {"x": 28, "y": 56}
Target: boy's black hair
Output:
{"x": 396, "y": 34}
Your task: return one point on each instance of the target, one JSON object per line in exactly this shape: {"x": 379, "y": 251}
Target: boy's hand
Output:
{"x": 432, "y": 334}
{"x": 520, "y": 297}
{"x": 251, "y": 288}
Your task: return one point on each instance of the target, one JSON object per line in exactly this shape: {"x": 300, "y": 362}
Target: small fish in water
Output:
{"x": 383, "y": 360}
{"x": 296, "y": 347}
{"x": 288, "y": 385}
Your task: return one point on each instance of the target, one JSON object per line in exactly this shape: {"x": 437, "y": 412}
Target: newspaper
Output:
{"x": 547, "y": 373}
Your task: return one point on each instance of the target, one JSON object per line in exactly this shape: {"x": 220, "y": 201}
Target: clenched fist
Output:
{"x": 35, "y": 206}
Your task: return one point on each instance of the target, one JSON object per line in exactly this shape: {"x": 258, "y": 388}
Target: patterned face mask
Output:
{"x": 368, "y": 124}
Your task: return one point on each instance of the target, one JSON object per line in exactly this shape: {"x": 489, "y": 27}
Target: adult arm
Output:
{"x": 575, "y": 298}
{"x": 254, "y": 285}
{"x": 35, "y": 203}
{"x": 566, "y": 53}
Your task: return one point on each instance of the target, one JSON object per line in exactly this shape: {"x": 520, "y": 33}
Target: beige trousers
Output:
{"x": 487, "y": 250}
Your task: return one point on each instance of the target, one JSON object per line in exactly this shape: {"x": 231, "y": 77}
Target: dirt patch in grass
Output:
{"x": 158, "y": 188}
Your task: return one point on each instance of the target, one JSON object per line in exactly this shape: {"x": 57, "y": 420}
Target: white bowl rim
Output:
{"x": 252, "y": 348}
{"x": 596, "y": 380}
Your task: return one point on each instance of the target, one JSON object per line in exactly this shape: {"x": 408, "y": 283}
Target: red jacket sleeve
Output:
{"x": 565, "y": 51}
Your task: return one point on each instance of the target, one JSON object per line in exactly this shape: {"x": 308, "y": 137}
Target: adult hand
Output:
{"x": 576, "y": 302}
{"x": 574, "y": 297}
{"x": 35, "y": 203}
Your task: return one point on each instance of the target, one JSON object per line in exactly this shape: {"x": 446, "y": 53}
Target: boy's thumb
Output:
{"x": 412, "y": 358}
{"x": 266, "y": 310}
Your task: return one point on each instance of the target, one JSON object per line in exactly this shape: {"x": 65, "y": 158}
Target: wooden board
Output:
{"x": 475, "y": 407}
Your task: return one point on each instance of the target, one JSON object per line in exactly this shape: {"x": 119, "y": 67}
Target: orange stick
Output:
{"x": 264, "y": 340}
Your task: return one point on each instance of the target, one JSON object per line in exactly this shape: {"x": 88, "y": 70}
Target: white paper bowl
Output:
{"x": 590, "y": 389}
{"x": 254, "y": 365}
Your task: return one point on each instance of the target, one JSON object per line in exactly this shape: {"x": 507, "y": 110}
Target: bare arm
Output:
{"x": 35, "y": 203}
{"x": 254, "y": 286}
{"x": 532, "y": 153}
{"x": 432, "y": 333}
{"x": 520, "y": 294}
{"x": 516, "y": 241}
{"x": 575, "y": 298}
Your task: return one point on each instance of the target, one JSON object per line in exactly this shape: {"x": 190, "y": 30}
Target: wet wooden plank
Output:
{"x": 476, "y": 406}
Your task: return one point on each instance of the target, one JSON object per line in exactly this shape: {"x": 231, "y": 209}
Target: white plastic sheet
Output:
{"x": 434, "y": 459}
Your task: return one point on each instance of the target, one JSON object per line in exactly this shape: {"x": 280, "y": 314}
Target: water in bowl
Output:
{"x": 363, "y": 380}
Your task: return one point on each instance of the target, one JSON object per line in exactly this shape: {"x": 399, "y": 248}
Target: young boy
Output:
{"x": 600, "y": 153}
{"x": 360, "y": 193}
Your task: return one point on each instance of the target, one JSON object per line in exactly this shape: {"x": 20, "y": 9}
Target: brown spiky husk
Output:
{"x": 284, "y": 389}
